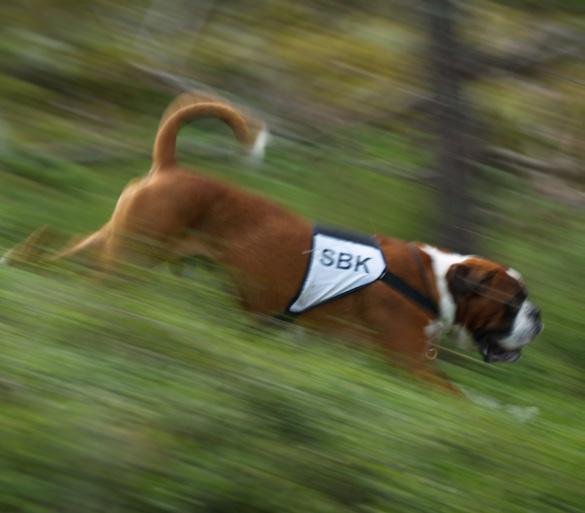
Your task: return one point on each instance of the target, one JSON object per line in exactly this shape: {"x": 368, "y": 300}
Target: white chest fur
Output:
{"x": 441, "y": 262}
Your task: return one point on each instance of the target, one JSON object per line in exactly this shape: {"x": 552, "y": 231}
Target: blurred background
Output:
{"x": 459, "y": 123}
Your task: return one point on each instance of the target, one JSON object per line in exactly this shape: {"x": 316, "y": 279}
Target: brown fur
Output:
{"x": 172, "y": 213}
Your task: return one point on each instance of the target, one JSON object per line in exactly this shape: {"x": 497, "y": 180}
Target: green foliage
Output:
{"x": 160, "y": 395}
{"x": 44, "y": 169}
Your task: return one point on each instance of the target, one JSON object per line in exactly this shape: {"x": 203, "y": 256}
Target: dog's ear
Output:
{"x": 466, "y": 278}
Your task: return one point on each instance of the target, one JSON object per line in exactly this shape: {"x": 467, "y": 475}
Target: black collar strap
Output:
{"x": 414, "y": 295}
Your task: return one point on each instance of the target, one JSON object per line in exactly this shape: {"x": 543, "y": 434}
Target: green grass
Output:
{"x": 162, "y": 396}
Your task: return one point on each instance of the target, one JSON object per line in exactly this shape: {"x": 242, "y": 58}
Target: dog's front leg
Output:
{"x": 422, "y": 369}
{"x": 411, "y": 351}
{"x": 427, "y": 372}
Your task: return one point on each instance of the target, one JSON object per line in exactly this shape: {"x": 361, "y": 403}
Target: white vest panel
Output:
{"x": 340, "y": 263}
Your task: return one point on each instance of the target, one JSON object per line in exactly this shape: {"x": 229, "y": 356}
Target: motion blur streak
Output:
{"x": 453, "y": 123}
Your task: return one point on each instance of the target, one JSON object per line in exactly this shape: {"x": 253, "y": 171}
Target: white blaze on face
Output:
{"x": 515, "y": 274}
{"x": 526, "y": 326}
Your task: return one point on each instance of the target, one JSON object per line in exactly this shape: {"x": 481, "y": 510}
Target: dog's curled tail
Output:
{"x": 252, "y": 134}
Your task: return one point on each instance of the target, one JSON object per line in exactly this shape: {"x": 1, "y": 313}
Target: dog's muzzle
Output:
{"x": 492, "y": 353}
{"x": 506, "y": 346}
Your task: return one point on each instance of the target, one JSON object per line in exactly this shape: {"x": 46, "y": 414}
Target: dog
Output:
{"x": 400, "y": 296}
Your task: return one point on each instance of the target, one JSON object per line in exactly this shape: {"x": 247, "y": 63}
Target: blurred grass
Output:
{"x": 162, "y": 396}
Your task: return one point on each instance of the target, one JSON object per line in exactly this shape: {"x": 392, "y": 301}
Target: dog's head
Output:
{"x": 492, "y": 304}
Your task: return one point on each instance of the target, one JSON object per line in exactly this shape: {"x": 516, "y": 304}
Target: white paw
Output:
{"x": 521, "y": 414}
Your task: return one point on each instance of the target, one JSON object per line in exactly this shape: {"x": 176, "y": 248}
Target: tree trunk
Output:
{"x": 453, "y": 126}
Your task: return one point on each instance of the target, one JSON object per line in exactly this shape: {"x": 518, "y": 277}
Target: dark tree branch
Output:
{"x": 530, "y": 58}
{"x": 558, "y": 190}
{"x": 549, "y": 178}
{"x": 509, "y": 159}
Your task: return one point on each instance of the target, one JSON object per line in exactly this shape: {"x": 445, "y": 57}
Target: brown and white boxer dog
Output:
{"x": 399, "y": 295}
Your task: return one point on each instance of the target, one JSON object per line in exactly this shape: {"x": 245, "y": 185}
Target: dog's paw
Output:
{"x": 521, "y": 414}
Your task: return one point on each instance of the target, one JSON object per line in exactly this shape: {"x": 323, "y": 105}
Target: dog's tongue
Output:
{"x": 493, "y": 354}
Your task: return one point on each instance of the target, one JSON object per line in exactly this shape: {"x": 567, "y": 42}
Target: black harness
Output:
{"x": 398, "y": 284}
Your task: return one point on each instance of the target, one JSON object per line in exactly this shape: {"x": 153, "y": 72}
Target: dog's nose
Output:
{"x": 535, "y": 314}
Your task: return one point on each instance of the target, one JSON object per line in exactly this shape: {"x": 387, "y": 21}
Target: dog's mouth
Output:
{"x": 492, "y": 353}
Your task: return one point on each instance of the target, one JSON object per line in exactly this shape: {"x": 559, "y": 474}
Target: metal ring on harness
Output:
{"x": 431, "y": 353}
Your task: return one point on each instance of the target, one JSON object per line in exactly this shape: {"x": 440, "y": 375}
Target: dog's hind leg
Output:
{"x": 88, "y": 252}
{"x": 185, "y": 249}
{"x": 31, "y": 250}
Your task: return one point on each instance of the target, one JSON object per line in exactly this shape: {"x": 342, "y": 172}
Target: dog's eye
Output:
{"x": 513, "y": 307}
{"x": 515, "y": 303}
